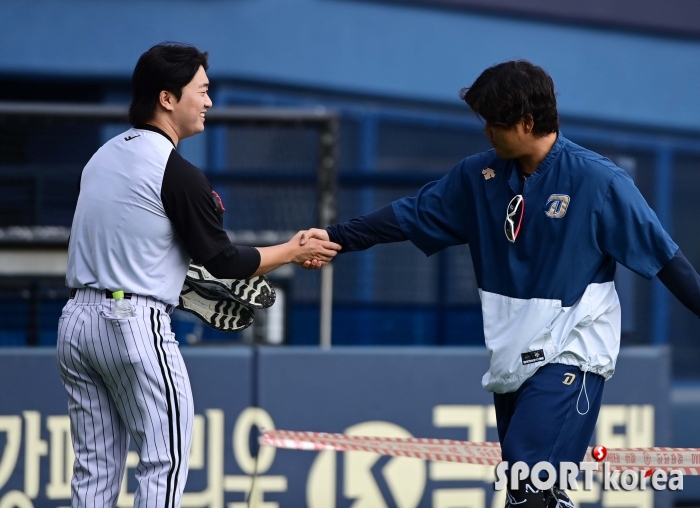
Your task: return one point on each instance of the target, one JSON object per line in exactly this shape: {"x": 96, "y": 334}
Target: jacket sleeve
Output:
{"x": 363, "y": 232}
{"x": 682, "y": 281}
{"x": 435, "y": 218}
{"x": 629, "y": 230}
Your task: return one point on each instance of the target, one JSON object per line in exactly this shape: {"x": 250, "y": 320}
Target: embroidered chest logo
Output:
{"x": 488, "y": 173}
{"x": 569, "y": 378}
{"x": 557, "y": 205}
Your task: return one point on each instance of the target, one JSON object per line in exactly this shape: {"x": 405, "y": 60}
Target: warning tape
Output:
{"x": 686, "y": 460}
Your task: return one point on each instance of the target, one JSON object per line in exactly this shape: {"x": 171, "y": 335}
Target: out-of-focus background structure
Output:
{"x": 627, "y": 75}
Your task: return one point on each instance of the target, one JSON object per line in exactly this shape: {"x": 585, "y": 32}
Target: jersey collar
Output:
{"x": 152, "y": 128}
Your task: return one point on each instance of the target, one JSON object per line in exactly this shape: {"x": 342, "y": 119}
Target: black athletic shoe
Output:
{"x": 255, "y": 293}
{"x": 557, "y": 498}
{"x": 525, "y": 497}
{"x": 512, "y": 503}
{"x": 225, "y": 315}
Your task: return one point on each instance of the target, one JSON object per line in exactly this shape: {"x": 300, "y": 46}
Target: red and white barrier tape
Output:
{"x": 687, "y": 460}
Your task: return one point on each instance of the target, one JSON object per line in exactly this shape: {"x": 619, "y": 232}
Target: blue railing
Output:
{"x": 661, "y": 146}
{"x": 369, "y": 175}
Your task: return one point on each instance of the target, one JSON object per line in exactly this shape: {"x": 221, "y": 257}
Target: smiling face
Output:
{"x": 187, "y": 114}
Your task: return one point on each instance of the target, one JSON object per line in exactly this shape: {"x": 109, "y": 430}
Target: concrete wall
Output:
{"x": 406, "y": 392}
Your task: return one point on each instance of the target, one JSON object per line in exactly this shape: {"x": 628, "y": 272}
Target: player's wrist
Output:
{"x": 291, "y": 249}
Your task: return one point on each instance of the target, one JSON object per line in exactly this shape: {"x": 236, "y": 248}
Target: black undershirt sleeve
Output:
{"x": 197, "y": 216}
{"x": 681, "y": 279}
{"x": 380, "y": 226}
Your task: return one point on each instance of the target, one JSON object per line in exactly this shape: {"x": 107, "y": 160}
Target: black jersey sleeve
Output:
{"x": 196, "y": 212}
{"x": 234, "y": 263}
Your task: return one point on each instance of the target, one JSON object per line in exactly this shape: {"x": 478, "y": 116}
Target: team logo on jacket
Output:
{"x": 569, "y": 378}
{"x": 488, "y": 173}
{"x": 557, "y": 205}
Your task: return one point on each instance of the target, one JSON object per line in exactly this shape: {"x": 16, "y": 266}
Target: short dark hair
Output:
{"x": 507, "y": 92}
{"x": 166, "y": 66}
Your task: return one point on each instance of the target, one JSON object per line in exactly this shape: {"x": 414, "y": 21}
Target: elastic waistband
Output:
{"x": 95, "y": 296}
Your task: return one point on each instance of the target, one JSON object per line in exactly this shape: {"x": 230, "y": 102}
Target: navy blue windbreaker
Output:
{"x": 549, "y": 296}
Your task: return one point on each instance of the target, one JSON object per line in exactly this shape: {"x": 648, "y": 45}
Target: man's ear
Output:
{"x": 166, "y": 100}
{"x": 528, "y": 123}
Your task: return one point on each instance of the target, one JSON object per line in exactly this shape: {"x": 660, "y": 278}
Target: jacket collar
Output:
{"x": 515, "y": 181}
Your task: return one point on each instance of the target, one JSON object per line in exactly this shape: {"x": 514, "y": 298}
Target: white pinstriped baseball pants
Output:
{"x": 125, "y": 377}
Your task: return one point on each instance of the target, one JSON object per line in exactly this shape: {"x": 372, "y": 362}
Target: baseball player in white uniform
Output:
{"x": 143, "y": 214}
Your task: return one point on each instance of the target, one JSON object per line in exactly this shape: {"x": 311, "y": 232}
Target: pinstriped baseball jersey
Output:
{"x": 142, "y": 214}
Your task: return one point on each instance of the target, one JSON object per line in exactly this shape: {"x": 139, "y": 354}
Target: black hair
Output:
{"x": 167, "y": 66}
{"x": 505, "y": 93}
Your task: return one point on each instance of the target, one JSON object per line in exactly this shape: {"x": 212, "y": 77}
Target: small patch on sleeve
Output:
{"x": 217, "y": 202}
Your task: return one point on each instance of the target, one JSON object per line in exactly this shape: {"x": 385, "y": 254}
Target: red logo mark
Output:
{"x": 648, "y": 473}
{"x": 217, "y": 199}
{"x": 599, "y": 453}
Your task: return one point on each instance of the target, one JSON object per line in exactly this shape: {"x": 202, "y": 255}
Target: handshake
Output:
{"x": 312, "y": 249}
{"x": 229, "y": 305}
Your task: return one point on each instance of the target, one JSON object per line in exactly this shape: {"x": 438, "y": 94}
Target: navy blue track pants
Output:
{"x": 551, "y": 417}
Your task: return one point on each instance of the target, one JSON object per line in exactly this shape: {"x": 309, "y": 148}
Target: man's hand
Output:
{"x": 312, "y": 251}
{"x": 320, "y": 234}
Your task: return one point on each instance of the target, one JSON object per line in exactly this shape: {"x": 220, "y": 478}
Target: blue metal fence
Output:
{"x": 392, "y": 293}
{"x": 432, "y": 142}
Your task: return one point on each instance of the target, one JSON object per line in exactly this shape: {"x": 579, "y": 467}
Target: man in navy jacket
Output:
{"x": 546, "y": 222}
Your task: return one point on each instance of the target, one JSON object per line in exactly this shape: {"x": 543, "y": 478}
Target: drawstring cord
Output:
{"x": 584, "y": 391}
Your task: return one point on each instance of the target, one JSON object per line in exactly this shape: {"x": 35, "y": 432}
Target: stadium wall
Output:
{"x": 399, "y": 51}
{"x": 391, "y": 392}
